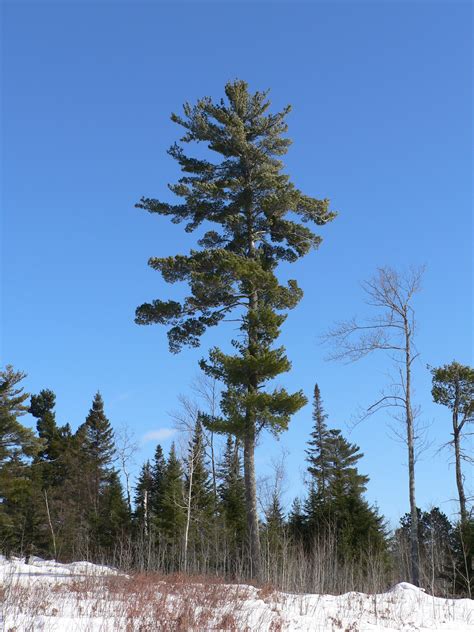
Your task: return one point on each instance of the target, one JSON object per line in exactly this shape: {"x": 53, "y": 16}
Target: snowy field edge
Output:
{"x": 47, "y": 596}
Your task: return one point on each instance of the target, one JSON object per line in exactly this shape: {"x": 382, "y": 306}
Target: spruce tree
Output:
{"x": 202, "y": 496}
{"x": 274, "y": 531}
{"x": 173, "y": 517}
{"x": 200, "y": 500}
{"x": 335, "y": 501}
{"x": 20, "y": 509}
{"x": 297, "y": 521}
{"x": 231, "y": 490}
{"x": 343, "y": 476}
{"x": 114, "y": 517}
{"x": 317, "y": 452}
{"x": 95, "y": 439}
{"x": 274, "y": 515}
{"x": 97, "y": 446}
{"x": 158, "y": 468}
{"x": 260, "y": 219}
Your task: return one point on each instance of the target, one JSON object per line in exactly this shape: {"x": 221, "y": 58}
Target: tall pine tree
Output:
{"x": 260, "y": 219}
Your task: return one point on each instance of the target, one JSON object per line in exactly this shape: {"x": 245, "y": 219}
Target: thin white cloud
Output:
{"x": 158, "y": 435}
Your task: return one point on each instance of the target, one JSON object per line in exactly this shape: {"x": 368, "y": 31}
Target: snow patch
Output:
{"x": 49, "y": 596}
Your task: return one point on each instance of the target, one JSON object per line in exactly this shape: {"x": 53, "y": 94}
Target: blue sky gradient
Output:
{"x": 381, "y": 124}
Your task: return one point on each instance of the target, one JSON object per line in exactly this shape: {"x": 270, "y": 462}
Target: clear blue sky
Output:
{"x": 381, "y": 124}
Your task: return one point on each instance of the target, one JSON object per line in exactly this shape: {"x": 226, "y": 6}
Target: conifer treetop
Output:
{"x": 260, "y": 217}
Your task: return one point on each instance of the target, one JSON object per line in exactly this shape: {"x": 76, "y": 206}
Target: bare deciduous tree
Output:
{"x": 392, "y": 330}
{"x": 126, "y": 448}
{"x": 207, "y": 394}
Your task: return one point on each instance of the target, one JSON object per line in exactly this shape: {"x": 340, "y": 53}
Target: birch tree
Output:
{"x": 391, "y": 330}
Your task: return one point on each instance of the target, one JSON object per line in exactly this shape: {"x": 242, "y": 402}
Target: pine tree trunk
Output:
{"x": 251, "y": 503}
{"x": 250, "y": 430}
{"x": 459, "y": 480}
{"x": 457, "y": 456}
{"x": 213, "y": 466}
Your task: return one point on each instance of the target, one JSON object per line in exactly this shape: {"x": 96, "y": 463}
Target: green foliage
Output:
{"x": 254, "y": 207}
{"x": 445, "y": 548}
{"x": 232, "y": 491}
{"x": 202, "y": 497}
{"x": 113, "y": 518}
{"x": 14, "y": 437}
{"x": 97, "y": 436}
{"x": 317, "y": 452}
{"x": 453, "y": 386}
{"x": 100, "y": 491}
{"x": 297, "y": 521}
{"x": 335, "y": 502}
{"x": 172, "y": 518}
{"x": 51, "y": 459}
{"x": 259, "y": 219}
{"x": 157, "y": 472}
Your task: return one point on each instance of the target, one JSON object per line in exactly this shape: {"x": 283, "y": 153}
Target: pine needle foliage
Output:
{"x": 254, "y": 218}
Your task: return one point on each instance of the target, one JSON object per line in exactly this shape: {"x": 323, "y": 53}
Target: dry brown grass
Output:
{"x": 142, "y": 602}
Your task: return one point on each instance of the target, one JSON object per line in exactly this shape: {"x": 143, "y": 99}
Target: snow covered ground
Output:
{"x": 45, "y": 596}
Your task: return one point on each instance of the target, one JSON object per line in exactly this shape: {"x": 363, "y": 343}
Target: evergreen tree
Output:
{"x": 443, "y": 549}
{"x": 274, "y": 515}
{"x": 157, "y": 472}
{"x": 274, "y": 530}
{"x": 173, "y": 517}
{"x": 97, "y": 447}
{"x": 297, "y": 521}
{"x": 335, "y": 501}
{"x": 232, "y": 491}
{"x": 55, "y": 438}
{"x": 100, "y": 482}
{"x": 258, "y": 215}
{"x": 453, "y": 386}
{"x": 317, "y": 452}
{"x": 202, "y": 498}
{"x": 14, "y": 437}
{"x": 343, "y": 476}
{"x": 19, "y": 520}
{"x": 114, "y": 517}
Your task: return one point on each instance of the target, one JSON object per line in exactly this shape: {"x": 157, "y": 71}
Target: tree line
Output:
{"x": 63, "y": 495}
